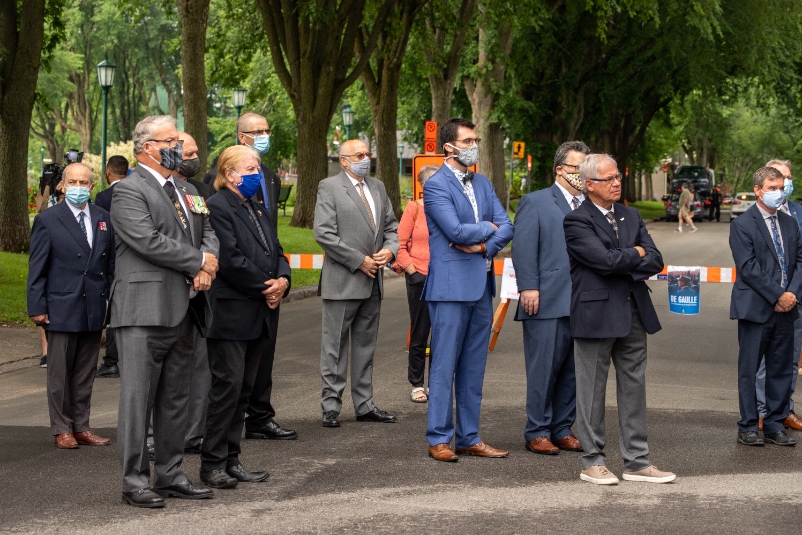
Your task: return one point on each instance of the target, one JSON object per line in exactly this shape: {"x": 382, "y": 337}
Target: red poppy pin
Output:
{"x": 101, "y": 225}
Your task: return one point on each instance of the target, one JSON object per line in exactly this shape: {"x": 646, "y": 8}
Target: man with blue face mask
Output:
{"x": 70, "y": 271}
{"x": 767, "y": 248}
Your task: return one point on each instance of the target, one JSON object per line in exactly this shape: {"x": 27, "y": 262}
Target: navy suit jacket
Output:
{"x": 271, "y": 182}
{"x": 67, "y": 280}
{"x": 795, "y": 210}
{"x": 453, "y": 274}
{"x": 759, "y": 276}
{"x": 103, "y": 199}
{"x": 539, "y": 254}
{"x": 238, "y": 307}
{"x": 607, "y": 272}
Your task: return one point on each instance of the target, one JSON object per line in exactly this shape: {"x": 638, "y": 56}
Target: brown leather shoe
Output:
{"x": 66, "y": 441}
{"x": 760, "y": 424}
{"x": 442, "y": 452}
{"x": 793, "y": 422}
{"x": 480, "y": 449}
{"x": 569, "y": 443}
{"x": 543, "y": 446}
{"x": 89, "y": 438}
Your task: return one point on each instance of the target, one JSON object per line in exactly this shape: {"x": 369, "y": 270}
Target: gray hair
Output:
{"x": 589, "y": 168}
{"x": 77, "y": 166}
{"x": 426, "y": 172}
{"x": 775, "y": 161}
{"x": 146, "y": 129}
{"x": 562, "y": 151}
{"x": 245, "y": 120}
{"x": 764, "y": 173}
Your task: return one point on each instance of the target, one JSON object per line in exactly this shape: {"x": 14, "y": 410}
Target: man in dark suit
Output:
{"x": 766, "y": 245}
{"x": 467, "y": 227}
{"x": 166, "y": 259}
{"x": 542, "y": 272}
{"x": 254, "y": 131}
{"x": 116, "y": 170}
{"x": 70, "y": 270}
{"x": 611, "y": 255}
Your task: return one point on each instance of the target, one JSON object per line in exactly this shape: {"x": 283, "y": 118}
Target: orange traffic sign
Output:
{"x": 419, "y": 161}
{"x": 430, "y": 137}
{"x": 518, "y": 149}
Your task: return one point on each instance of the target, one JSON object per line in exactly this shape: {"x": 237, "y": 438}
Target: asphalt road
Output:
{"x": 377, "y": 478}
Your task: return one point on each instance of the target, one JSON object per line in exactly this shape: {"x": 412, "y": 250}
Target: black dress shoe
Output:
{"x": 331, "y": 419}
{"x": 151, "y": 451}
{"x": 376, "y": 415}
{"x": 143, "y": 498}
{"x": 107, "y": 371}
{"x": 750, "y": 438}
{"x": 239, "y": 473}
{"x": 271, "y": 430}
{"x": 185, "y": 490}
{"x": 218, "y": 479}
{"x": 779, "y": 438}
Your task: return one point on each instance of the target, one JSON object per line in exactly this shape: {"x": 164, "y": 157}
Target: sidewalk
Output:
{"x": 19, "y": 348}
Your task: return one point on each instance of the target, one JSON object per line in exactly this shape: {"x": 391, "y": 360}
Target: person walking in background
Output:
{"x": 685, "y": 214}
{"x": 543, "y": 274}
{"x": 413, "y": 257}
{"x": 715, "y": 204}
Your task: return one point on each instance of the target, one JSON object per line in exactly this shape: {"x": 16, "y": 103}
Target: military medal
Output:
{"x": 196, "y": 204}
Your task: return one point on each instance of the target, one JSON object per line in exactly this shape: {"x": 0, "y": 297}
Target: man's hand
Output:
{"x": 530, "y": 301}
{"x": 40, "y": 319}
{"x": 641, "y": 251}
{"x": 202, "y": 281}
{"x": 274, "y": 291}
{"x": 383, "y": 257}
{"x": 472, "y": 249}
{"x": 495, "y": 227}
{"x": 369, "y": 267}
{"x": 786, "y": 302}
{"x": 210, "y": 264}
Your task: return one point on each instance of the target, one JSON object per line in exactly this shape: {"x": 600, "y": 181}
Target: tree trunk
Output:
{"x": 194, "y": 18}
{"x": 21, "y": 39}
{"x": 442, "y": 92}
{"x": 312, "y": 164}
{"x": 385, "y": 120}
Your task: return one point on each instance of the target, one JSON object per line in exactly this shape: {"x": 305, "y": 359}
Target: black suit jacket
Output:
{"x": 68, "y": 280}
{"x": 103, "y": 199}
{"x": 273, "y": 183}
{"x": 607, "y": 272}
{"x": 759, "y": 276}
{"x": 239, "y": 309}
{"x": 204, "y": 190}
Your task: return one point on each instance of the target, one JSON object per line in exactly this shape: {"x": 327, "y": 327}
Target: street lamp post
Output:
{"x": 348, "y": 120}
{"x": 238, "y": 96}
{"x": 400, "y": 160}
{"x": 105, "y": 77}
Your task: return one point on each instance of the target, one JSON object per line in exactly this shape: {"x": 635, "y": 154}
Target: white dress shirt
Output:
{"x": 568, "y": 196}
{"x": 355, "y": 182}
{"x": 87, "y": 220}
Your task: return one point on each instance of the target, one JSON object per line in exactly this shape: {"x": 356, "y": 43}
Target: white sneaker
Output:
{"x": 650, "y": 474}
{"x": 694, "y": 229}
{"x": 599, "y": 475}
{"x": 679, "y": 229}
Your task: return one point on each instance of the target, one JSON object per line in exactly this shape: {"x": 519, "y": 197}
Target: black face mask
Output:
{"x": 189, "y": 168}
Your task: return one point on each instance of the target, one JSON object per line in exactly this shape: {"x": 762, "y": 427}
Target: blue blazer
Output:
{"x": 607, "y": 272}
{"x": 67, "y": 280}
{"x": 453, "y": 274}
{"x": 539, "y": 254}
{"x": 758, "y": 283}
{"x": 103, "y": 199}
{"x": 795, "y": 209}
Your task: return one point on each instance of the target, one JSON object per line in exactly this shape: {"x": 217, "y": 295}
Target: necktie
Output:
{"x": 81, "y": 224}
{"x": 256, "y": 223}
{"x": 611, "y": 218}
{"x": 367, "y": 205}
{"x": 574, "y": 203}
{"x": 170, "y": 190}
{"x": 778, "y": 245}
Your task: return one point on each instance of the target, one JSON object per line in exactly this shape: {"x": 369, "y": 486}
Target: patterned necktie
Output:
{"x": 81, "y": 224}
{"x": 367, "y": 205}
{"x": 170, "y": 190}
{"x": 778, "y": 245}
{"x": 255, "y": 221}
{"x": 574, "y": 203}
{"x": 611, "y": 218}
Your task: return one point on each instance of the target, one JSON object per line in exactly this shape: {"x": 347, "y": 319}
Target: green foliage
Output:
{"x": 13, "y": 287}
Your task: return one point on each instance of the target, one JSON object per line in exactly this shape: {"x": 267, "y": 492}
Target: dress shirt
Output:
{"x": 766, "y": 215}
{"x": 568, "y": 196}
{"x": 368, "y": 195}
{"x": 87, "y": 220}
{"x": 603, "y": 210}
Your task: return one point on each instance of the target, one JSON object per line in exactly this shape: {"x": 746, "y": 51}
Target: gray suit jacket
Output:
{"x": 156, "y": 257}
{"x": 342, "y": 228}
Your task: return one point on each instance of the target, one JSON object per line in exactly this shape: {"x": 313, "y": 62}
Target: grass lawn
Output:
{"x": 650, "y": 209}
{"x": 13, "y": 285}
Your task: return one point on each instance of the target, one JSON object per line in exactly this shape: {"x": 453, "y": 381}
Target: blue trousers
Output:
{"x": 760, "y": 382}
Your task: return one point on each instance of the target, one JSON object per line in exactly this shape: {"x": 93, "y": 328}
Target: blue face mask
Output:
{"x": 788, "y": 188}
{"x": 77, "y": 195}
{"x": 261, "y": 144}
{"x": 773, "y": 199}
{"x": 249, "y": 184}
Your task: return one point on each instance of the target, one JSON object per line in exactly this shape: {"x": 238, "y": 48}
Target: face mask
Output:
{"x": 189, "y": 168}
{"x": 171, "y": 157}
{"x": 361, "y": 168}
{"x": 249, "y": 184}
{"x": 261, "y": 144}
{"x": 467, "y": 157}
{"x": 574, "y": 181}
{"x": 773, "y": 199}
{"x": 77, "y": 195}
{"x": 788, "y": 188}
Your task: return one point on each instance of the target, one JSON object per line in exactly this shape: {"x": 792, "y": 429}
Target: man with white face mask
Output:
{"x": 766, "y": 245}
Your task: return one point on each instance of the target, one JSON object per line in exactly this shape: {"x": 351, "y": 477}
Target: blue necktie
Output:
{"x": 82, "y": 224}
{"x": 779, "y": 247}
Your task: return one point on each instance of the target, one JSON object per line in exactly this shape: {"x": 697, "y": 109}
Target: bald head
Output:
{"x": 190, "y": 148}
{"x": 78, "y": 172}
{"x": 351, "y": 152}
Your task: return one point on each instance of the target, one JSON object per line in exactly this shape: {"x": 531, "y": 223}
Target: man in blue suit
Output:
{"x": 543, "y": 274}
{"x": 467, "y": 227}
{"x": 767, "y": 249}
{"x": 795, "y": 210}
{"x": 70, "y": 270}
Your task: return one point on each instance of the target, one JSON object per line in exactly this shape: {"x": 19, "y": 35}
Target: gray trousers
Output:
{"x": 592, "y": 357}
{"x": 154, "y": 376}
{"x": 354, "y": 322}
{"x": 71, "y": 362}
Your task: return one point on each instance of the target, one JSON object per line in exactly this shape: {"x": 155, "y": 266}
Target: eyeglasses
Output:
{"x": 171, "y": 142}
{"x": 569, "y": 165}
{"x": 360, "y": 155}
{"x": 470, "y": 141}
{"x": 265, "y": 132}
{"x": 613, "y": 178}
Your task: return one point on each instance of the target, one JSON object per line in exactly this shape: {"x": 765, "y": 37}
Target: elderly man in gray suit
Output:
{"x": 166, "y": 259}
{"x": 356, "y": 227}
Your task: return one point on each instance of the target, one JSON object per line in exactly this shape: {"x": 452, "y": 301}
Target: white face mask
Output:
{"x": 361, "y": 168}
{"x": 467, "y": 157}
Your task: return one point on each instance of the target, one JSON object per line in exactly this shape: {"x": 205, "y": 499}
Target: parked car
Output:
{"x": 726, "y": 200}
{"x": 741, "y": 203}
{"x": 672, "y": 209}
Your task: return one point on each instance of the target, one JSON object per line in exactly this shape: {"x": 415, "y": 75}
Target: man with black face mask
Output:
{"x": 191, "y": 165}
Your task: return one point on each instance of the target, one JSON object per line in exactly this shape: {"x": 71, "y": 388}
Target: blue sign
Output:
{"x": 683, "y": 290}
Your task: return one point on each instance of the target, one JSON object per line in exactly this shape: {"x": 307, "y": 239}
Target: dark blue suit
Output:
{"x": 541, "y": 263}
{"x": 103, "y": 199}
{"x": 762, "y": 332}
{"x": 459, "y": 291}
